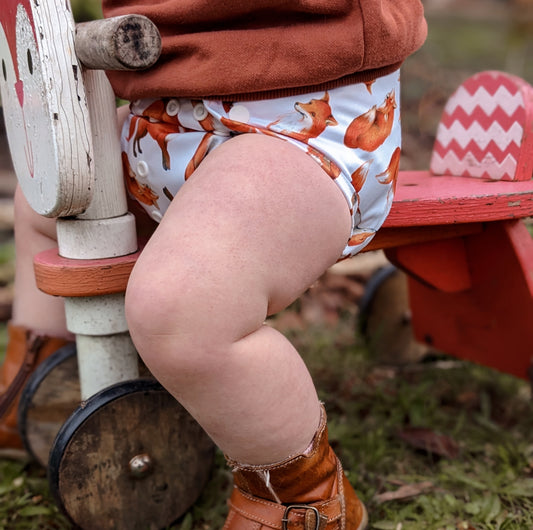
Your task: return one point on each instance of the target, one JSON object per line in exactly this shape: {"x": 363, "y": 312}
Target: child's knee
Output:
{"x": 161, "y": 325}
{"x": 147, "y": 310}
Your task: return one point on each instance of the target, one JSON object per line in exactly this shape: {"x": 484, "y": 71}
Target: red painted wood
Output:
{"x": 407, "y": 235}
{"x": 490, "y": 323}
{"x": 471, "y": 294}
{"x": 440, "y": 264}
{"x": 60, "y": 276}
{"x": 486, "y": 129}
{"x": 424, "y": 199}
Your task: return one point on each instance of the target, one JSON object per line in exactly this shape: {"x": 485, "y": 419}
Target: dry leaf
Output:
{"x": 407, "y": 491}
{"x": 430, "y": 441}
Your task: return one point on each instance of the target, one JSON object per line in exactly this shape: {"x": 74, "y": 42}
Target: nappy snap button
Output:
{"x": 156, "y": 215}
{"x": 200, "y": 112}
{"x": 142, "y": 168}
{"x": 239, "y": 113}
{"x": 173, "y": 107}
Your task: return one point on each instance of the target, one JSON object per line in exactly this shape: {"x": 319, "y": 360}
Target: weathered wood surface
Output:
{"x": 60, "y": 276}
{"x": 108, "y": 194}
{"x": 484, "y": 141}
{"x": 45, "y": 106}
{"x": 424, "y": 199}
{"x": 391, "y": 237}
{"x": 490, "y": 322}
{"x": 386, "y": 317}
{"x": 129, "y": 42}
{"x": 50, "y": 397}
{"x": 90, "y": 469}
{"x": 471, "y": 294}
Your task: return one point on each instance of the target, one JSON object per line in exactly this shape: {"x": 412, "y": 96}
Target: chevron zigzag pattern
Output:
{"x": 485, "y": 168}
{"x": 482, "y": 136}
{"x": 483, "y": 128}
{"x": 488, "y": 102}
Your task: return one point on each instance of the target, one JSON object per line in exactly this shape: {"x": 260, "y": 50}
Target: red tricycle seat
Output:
{"x": 458, "y": 229}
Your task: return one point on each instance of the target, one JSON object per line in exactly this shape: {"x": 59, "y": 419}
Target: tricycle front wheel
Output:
{"x": 129, "y": 457}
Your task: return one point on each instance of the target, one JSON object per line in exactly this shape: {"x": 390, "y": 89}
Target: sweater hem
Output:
{"x": 366, "y": 76}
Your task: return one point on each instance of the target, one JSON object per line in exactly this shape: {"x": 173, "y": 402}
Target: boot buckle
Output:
{"x": 290, "y": 508}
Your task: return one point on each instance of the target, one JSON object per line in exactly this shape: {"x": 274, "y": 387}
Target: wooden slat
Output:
{"x": 491, "y": 322}
{"x": 60, "y": 276}
{"x": 424, "y": 199}
{"x": 395, "y": 236}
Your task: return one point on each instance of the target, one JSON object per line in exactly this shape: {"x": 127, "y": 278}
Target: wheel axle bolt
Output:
{"x": 141, "y": 465}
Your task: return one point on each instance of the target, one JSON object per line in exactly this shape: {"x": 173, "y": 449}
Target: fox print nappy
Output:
{"x": 352, "y": 132}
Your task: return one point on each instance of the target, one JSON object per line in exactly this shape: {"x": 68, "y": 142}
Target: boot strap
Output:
{"x": 286, "y": 517}
{"x": 34, "y": 343}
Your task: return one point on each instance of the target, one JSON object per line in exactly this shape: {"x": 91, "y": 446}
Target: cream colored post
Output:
{"x": 106, "y": 354}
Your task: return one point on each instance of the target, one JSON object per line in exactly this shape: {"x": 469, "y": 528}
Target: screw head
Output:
{"x": 141, "y": 465}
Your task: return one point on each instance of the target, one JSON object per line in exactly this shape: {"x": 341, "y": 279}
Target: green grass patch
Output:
{"x": 383, "y": 423}
{"x": 481, "y": 478}
{"x": 25, "y": 502}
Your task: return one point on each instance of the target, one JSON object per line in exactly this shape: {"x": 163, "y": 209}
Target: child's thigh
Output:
{"x": 250, "y": 230}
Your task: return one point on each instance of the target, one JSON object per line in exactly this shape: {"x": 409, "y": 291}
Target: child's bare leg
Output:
{"x": 32, "y": 308}
{"x": 254, "y": 226}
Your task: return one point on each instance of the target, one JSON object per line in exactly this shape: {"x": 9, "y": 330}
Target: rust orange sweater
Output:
{"x": 249, "y": 49}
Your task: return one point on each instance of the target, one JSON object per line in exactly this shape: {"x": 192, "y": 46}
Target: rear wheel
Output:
{"x": 386, "y": 318}
{"x": 50, "y": 396}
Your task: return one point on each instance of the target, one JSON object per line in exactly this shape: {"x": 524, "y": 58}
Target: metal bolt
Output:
{"x": 141, "y": 465}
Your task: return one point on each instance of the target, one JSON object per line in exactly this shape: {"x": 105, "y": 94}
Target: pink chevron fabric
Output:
{"x": 486, "y": 130}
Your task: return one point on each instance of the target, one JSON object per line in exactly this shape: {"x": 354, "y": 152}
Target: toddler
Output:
{"x": 265, "y": 143}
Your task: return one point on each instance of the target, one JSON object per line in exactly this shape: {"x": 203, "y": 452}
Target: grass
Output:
{"x": 25, "y": 502}
{"x": 485, "y": 482}
{"x": 384, "y": 424}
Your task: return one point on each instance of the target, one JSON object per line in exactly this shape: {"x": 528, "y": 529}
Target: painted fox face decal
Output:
{"x": 46, "y": 147}
{"x": 12, "y": 20}
{"x": 20, "y": 78}
{"x": 30, "y": 141}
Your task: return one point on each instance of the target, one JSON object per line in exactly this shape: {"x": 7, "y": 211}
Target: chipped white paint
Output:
{"x": 106, "y": 354}
{"x": 96, "y": 315}
{"x": 109, "y": 195}
{"x": 104, "y": 361}
{"x": 63, "y": 133}
{"x": 45, "y": 106}
{"x": 97, "y": 238}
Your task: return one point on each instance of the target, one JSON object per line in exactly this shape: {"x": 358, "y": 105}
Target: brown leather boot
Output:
{"x": 25, "y": 350}
{"x": 305, "y": 492}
